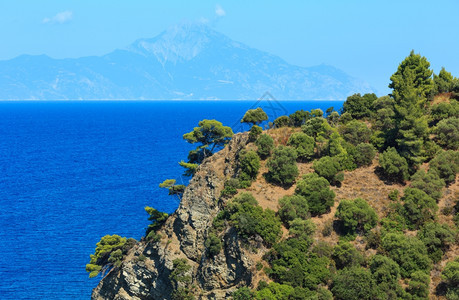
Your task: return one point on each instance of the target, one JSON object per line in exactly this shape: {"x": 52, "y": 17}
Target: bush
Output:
{"x": 394, "y": 166}
{"x": 265, "y": 144}
{"x": 418, "y": 207}
{"x": 345, "y": 255}
{"x": 443, "y": 110}
{"x": 317, "y": 192}
{"x": 213, "y": 244}
{"x": 437, "y": 238}
{"x": 282, "y": 121}
{"x": 364, "y": 154}
{"x": 282, "y": 167}
{"x": 157, "y": 219}
{"x": 447, "y": 133}
{"x": 302, "y": 229}
{"x": 446, "y": 163}
{"x": 230, "y": 189}
{"x": 409, "y": 252}
{"x": 303, "y": 144}
{"x": 254, "y": 132}
{"x": 359, "y": 106}
{"x": 356, "y": 215}
{"x": 354, "y": 283}
{"x": 254, "y": 116}
{"x": 292, "y": 207}
{"x": 299, "y": 117}
{"x": 316, "y": 127}
{"x": 450, "y": 276}
{"x": 329, "y": 168}
{"x": 385, "y": 271}
{"x": 419, "y": 285}
{"x": 109, "y": 252}
{"x": 355, "y": 132}
{"x": 243, "y": 293}
{"x": 249, "y": 164}
{"x": 429, "y": 182}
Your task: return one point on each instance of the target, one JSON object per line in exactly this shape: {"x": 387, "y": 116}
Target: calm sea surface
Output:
{"x": 71, "y": 172}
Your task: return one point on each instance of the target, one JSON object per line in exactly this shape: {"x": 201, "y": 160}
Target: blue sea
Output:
{"x": 71, "y": 172}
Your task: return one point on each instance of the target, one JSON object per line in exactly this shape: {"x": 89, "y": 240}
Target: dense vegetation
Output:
{"x": 319, "y": 244}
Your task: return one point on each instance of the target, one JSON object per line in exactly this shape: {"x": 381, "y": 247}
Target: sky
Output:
{"x": 366, "y": 39}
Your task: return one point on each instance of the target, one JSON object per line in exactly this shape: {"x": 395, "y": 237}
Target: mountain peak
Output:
{"x": 181, "y": 42}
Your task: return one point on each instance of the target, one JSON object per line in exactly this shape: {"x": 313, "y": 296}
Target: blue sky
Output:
{"x": 367, "y": 39}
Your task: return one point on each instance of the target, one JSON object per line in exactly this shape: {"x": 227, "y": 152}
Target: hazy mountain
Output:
{"x": 189, "y": 61}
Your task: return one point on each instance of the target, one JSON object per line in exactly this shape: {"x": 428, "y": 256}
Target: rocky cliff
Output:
{"x": 145, "y": 271}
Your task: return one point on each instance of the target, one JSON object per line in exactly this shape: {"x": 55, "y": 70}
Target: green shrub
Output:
{"x": 355, "y": 132}
{"x": 230, "y": 188}
{"x": 265, "y": 144}
{"x": 359, "y": 106}
{"x": 418, "y": 207}
{"x": 299, "y": 117}
{"x": 109, "y": 252}
{"x": 249, "y": 164}
{"x": 302, "y": 229}
{"x": 356, "y": 215}
{"x": 213, "y": 244}
{"x": 254, "y": 116}
{"x": 443, "y": 110}
{"x": 292, "y": 207}
{"x": 364, "y": 154}
{"x": 316, "y": 127}
{"x": 446, "y": 163}
{"x": 393, "y": 195}
{"x": 157, "y": 219}
{"x": 329, "y": 168}
{"x": 409, "y": 252}
{"x": 282, "y": 167}
{"x": 282, "y": 121}
{"x": 354, "y": 283}
{"x": 418, "y": 286}
{"x": 385, "y": 271}
{"x": 243, "y": 293}
{"x": 303, "y": 144}
{"x": 437, "y": 238}
{"x": 317, "y": 191}
{"x": 447, "y": 133}
{"x": 255, "y": 132}
{"x": 429, "y": 182}
{"x": 394, "y": 166}
{"x": 450, "y": 276}
{"x": 345, "y": 255}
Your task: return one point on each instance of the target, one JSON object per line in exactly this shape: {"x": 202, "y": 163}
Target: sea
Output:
{"x": 72, "y": 172}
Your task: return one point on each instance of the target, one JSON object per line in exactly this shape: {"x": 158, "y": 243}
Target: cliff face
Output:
{"x": 145, "y": 271}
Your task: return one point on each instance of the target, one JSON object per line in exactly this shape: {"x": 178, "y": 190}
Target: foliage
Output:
{"x": 180, "y": 279}
{"x": 329, "y": 168}
{"x": 282, "y": 121}
{"x": 446, "y": 163}
{"x": 419, "y": 285}
{"x": 385, "y": 272}
{"x": 243, "y": 293}
{"x": 292, "y": 207}
{"x": 265, "y": 144}
{"x": 255, "y": 132}
{"x": 173, "y": 189}
{"x": 249, "y": 164}
{"x": 429, "y": 182}
{"x": 157, "y": 219}
{"x": 447, "y": 133}
{"x": 190, "y": 168}
{"x": 450, "y": 276}
{"x": 393, "y": 165}
{"x": 354, "y": 283}
{"x": 302, "y": 229}
{"x": 303, "y": 144}
{"x": 364, "y": 154}
{"x": 443, "y": 82}
{"x": 356, "y": 215}
{"x": 437, "y": 238}
{"x": 409, "y": 252}
{"x": 358, "y": 106}
{"x": 213, "y": 244}
{"x": 316, "y": 127}
{"x": 333, "y": 118}
{"x": 317, "y": 191}
{"x": 230, "y": 187}
{"x": 418, "y": 207}
{"x": 355, "y": 132}
{"x": 109, "y": 252}
{"x": 210, "y": 134}
{"x": 254, "y": 116}
{"x": 299, "y": 117}
{"x": 443, "y": 110}
{"x": 282, "y": 167}
{"x": 345, "y": 255}
{"x": 250, "y": 219}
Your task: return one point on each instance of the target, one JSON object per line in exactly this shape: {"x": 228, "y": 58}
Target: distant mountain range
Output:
{"x": 188, "y": 61}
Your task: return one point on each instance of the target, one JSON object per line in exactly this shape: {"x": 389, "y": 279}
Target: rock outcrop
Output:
{"x": 145, "y": 271}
